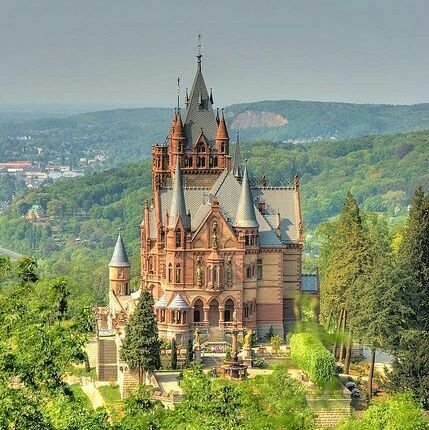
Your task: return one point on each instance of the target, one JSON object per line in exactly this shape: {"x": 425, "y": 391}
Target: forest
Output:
{"x": 126, "y": 135}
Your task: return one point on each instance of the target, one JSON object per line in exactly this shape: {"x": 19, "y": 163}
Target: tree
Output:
{"x": 377, "y": 312}
{"x": 399, "y": 412}
{"x": 189, "y": 353}
{"x": 410, "y": 341}
{"x": 345, "y": 259}
{"x": 141, "y": 346}
{"x": 26, "y": 270}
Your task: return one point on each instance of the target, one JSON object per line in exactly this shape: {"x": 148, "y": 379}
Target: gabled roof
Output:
{"x": 245, "y": 216}
{"x": 119, "y": 257}
{"x": 178, "y": 206}
{"x": 199, "y": 114}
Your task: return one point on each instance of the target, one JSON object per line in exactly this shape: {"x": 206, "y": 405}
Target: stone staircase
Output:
{"x": 107, "y": 359}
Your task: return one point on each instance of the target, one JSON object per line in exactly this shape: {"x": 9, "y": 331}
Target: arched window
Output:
{"x": 198, "y": 311}
{"x": 248, "y": 272}
{"x": 222, "y": 147}
{"x": 229, "y": 310}
{"x": 170, "y": 273}
{"x": 178, "y": 272}
{"x": 200, "y": 147}
{"x": 209, "y": 274}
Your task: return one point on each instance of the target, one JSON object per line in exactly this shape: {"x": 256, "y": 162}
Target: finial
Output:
{"x": 217, "y": 115}
{"x": 199, "y": 55}
{"x": 211, "y": 95}
{"x": 178, "y": 93}
{"x": 187, "y": 98}
{"x": 223, "y": 115}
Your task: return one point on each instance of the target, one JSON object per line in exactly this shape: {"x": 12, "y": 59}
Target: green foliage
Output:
{"x": 313, "y": 358}
{"x": 399, "y": 412}
{"x": 275, "y": 343}
{"x": 410, "y": 341}
{"x": 346, "y": 259}
{"x": 141, "y": 345}
{"x": 35, "y": 355}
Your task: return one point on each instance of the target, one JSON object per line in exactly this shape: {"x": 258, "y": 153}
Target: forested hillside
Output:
{"x": 86, "y": 213}
{"x": 126, "y": 135}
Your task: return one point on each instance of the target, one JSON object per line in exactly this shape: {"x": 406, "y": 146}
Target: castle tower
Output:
{"x": 119, "y": 269}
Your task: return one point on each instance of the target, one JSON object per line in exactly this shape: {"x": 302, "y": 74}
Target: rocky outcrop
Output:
{"x": 256, "y": 119}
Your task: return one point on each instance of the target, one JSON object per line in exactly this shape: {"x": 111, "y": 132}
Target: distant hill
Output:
{"x": 85, "y": 213}
{"x": 126, "y": 135}
{"x": 293, "y": 119}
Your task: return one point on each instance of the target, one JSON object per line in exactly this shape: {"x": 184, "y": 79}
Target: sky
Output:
{"x": 130, "y": 52}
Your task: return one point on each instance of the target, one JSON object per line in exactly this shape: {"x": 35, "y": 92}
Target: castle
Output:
{"x": 213, "y": 245}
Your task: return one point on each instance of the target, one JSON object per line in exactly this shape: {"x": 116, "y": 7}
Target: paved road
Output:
{"x": 11, "y": 254}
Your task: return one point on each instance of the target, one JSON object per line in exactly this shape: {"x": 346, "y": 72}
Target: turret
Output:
{"x": 222, "y": 137}
{"x": 245, "y": 219}
{"x": 119, "y": 269}
{"x": 178, "y": 207}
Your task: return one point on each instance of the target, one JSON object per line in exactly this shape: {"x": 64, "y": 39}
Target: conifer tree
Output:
{"x": 346, "y": 261}
{"x": 410, "y": 341}
{"x": 141, "y": 346}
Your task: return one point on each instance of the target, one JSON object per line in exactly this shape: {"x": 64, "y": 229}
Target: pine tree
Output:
{"x": 345, "y": 260}
{"x": 141, "y": 346}
{"x": 410, "y": 341}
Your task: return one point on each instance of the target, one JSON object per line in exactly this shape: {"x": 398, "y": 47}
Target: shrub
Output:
{"x": 313, "y": 358}
{"x": 275, "y": 343}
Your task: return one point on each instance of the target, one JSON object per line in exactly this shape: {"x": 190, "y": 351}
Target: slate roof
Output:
{"x": 245, "y": 216}
{"x": 227, "y": 190}
{"x": 310, "y": 283}
{"x": 199, "y": 114}
{"x": 178, "y": 303}
{"x": 119, "y": 257}
{"x": 162, "y": 302}
{"x": 178, "y": 207}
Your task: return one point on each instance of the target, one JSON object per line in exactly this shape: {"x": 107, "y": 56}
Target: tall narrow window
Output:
{"x": 170, "y": 273}
{"x": 259, "y": 269}
{"x": 178, "y": 238}
{"x": 178, "y": 273}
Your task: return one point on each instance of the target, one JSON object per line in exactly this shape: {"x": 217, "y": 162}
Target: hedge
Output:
{"x": 313, "y": 358}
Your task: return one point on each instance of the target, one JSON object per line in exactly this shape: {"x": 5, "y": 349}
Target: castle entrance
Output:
{"x": 214, "y": 313}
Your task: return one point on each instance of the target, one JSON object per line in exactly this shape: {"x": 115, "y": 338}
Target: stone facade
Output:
{"x": 213, "y": 245}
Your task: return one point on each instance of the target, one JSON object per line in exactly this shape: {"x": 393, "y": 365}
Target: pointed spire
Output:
{"x": 217, "y": 115}
{"x": 236, "y": 166}
{"x": 119, "y": 257}
{"x": 178, "y": 207}
{"x": 211, "y": 95}
{"x": 222, "y": 132}
{"x": 178, "y": 131}
{"x": 187, "y": 98}
{"x": 246, "y": 216}
{"x": 199, "y": 55}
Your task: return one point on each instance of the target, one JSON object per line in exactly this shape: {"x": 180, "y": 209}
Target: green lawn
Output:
{"x": 80, "y": 395}
{"x": 114, "y": 404}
